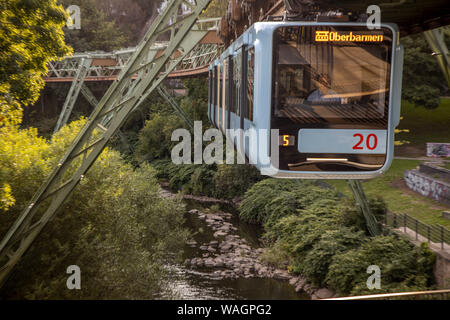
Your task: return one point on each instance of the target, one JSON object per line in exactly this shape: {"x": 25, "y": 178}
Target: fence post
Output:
{"x": 395, "y": 220}
{"x": 442, "y": 237}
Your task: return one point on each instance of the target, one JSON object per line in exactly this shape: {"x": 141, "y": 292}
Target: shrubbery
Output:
{"x": 115, "y": 226}
{"x": 220, "y": 181}
{"x": 324, "y": 238}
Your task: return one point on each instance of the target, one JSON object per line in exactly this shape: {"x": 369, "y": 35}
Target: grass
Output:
{"x": 400, "y": 200}
{"x": 425, "y": 126}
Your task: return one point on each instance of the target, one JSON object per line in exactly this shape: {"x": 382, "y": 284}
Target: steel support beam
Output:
{"x": 437, "y": 43}
{"x": 171, "y": 101}
{"x": 89, "y": 96}
{"x": 119, "y": 101}
{"x": 74, "y": 91}
{"x": 361, "y": 200}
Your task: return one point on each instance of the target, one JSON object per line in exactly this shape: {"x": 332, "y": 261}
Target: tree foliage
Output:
{"x": 423, "y": 80}
{"x": 97, "y": 32}
{"x": 30, "y": 36}
{"x": 115, "y": 226}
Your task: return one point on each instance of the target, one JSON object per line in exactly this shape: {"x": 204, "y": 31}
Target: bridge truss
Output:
{"x": 142, "y": 73}
{"x": 104, "y": 66}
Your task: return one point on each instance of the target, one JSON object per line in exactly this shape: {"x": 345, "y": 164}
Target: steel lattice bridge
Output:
{"x": 107, "y": 66}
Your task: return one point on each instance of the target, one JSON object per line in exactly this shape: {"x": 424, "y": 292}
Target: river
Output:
{"x": 187, "y": 283}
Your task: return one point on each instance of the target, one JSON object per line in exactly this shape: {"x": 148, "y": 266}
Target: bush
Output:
{"x": 252, "y": 207}
{"x": 155, "y": 138}
{"x": 332, "y": 242}
{"x": 352, "y": 214}
{"x": 324, "y": 238}
{"x": 234, "y": 180}
{"x": 403, "y": 266}
{"x": 271, "y": 199}
{"x": 115, "y": 226}
{"x": 202, "y": 181}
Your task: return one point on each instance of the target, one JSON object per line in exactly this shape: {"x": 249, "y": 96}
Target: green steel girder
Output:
{"x": 437, "y": 43}
{"x": 120, "y": 100}
{"x": 74, "y": 91}
{"x": 89, "y": 96}
{"x": 361, "y": 200}
{"x": 171, "y": 101}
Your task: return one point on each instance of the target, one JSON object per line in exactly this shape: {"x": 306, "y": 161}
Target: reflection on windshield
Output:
{"x": 330, "y": 82}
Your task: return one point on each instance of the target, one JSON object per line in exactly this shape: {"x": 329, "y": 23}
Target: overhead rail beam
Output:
{"x": 119, "y": 101}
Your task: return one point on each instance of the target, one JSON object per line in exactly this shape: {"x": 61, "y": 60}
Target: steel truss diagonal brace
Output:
{"x": 74, "y": 91}
{"x": 171, "y": 101}
{"x": 361, "y": 200}
{"x": 437, "y": 43}
{"x": 89, "y": 96}
{"x": 120, "y": 100}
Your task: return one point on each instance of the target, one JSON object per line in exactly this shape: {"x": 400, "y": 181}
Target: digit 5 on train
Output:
{"x": 333, "y": 91}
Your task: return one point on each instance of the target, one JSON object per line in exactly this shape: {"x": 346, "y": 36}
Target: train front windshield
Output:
{"x": 331, "y": 78}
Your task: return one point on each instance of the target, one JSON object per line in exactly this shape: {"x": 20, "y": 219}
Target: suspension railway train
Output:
{"x": 332, "y": 90}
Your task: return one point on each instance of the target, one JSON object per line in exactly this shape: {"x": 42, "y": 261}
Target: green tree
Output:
{"x": 423, "y": 81}
{"x": 30, "y": 36}
{"x": 97, "y": 32}
{"x": 115, "y": 226}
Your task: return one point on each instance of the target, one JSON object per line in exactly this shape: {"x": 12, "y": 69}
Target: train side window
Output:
{"x": 250, "y": 82}
{"x": 237, "y": 74}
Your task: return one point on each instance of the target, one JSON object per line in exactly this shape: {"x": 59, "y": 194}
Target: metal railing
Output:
{"x": 433, "y": 233}
{"x": 419, "y": 295}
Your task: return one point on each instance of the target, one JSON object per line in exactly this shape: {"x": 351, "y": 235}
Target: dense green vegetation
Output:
{"x": 423, "y": 80}
{"x": 324, "y": 238}
{"x": 110, "y": 24}
{"x": 115, "y": 226}
{"x": 220, "y": 181}
{"x": 30, "y": 36}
